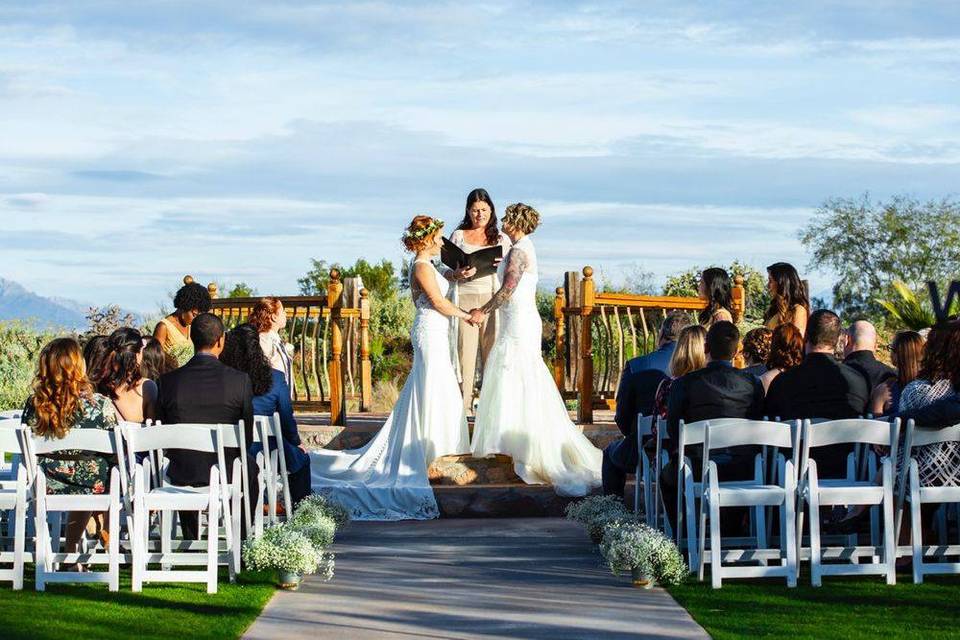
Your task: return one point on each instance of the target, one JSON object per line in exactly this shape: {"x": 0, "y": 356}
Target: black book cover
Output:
{"x": 483, "y": 260}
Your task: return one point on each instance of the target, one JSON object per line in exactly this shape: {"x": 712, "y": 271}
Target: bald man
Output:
{"x": 861, "y": 354}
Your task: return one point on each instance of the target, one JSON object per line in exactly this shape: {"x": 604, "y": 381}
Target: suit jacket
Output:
{"x": 716, "y": 391}
{"x": 820, "y": 387}
{"x": 277, "y": 400}
{"x": 638, "y": 387}
{"x": 203, "y": 391}
{"x": 870, "y": 368}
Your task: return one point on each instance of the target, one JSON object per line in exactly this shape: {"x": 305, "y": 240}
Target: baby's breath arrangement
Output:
{"x": 318, "y": 527}
{"x": 318, "y": 504}
{"x": 282, "y": 548}
{"x": 594, "y": 512}
{"x": 631, "y": 545}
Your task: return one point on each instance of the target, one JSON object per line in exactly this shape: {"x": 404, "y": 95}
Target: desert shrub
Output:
{"x": 19, "y": 349}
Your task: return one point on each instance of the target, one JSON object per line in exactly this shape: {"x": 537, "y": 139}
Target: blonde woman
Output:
{"x": 689, "y": 355}
{"x": 521, "y": 413}
{"x": 478, "y": 230}
{"x": 387, "y": 478}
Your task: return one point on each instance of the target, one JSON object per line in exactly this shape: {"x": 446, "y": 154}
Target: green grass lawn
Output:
{"x": 160, "y": 611}
{"x": 841, "y": 608}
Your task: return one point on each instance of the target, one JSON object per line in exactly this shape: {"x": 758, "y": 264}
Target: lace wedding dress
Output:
{"x": 387, "y": 478}
{"x": 521, "y": 413}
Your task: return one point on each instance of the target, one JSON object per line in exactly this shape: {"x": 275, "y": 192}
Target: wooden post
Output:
{"x": 739, "y": 299}
{"x": 560, "y": 322}
{"x": 585, "y": 412}
{"x": 338, "y": 388}
{"x": 366, "y": 371}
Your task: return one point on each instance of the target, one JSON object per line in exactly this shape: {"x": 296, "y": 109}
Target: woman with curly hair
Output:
{"x": 478, "y": 230}
{"x": 63, "y": 399}
{"x": 716, "y": 290}
{"x": 387, "y": 479}
{"x": 173, "y": 332}
{"x": 789, "y": 302}
{"x": 756, "y": 348}
{"x": 241, "y": 350}
{"x": 134, "y": 397}
{"x": 786, "y": 352}
{"x": 521, "y": 413}
{"x": 269, "y": 317}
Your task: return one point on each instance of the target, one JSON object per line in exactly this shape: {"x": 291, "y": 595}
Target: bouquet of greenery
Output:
{"x": 633, "y": 546}
{"x": 594, "y": 512}
{"x": 284, "y": 549}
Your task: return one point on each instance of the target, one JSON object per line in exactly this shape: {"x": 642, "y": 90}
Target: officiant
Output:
{"x": 472, "y": 290}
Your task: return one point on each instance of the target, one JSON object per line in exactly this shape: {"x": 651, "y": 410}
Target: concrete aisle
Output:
{"x": 493, "y": 578}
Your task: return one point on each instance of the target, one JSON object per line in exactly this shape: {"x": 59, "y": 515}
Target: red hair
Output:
{"x": 786, "y": 347}
{"x": 263, "y": 312}
{"x": 61, "y": 382}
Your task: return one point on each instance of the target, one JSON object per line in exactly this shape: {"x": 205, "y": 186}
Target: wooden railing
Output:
{"x": 331, "y": 340}
{"x": 596, "y": 333}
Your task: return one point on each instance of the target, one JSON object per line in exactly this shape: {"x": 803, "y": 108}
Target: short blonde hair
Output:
{"x": 522, "y": 217}
{"x": 690, "y": 353}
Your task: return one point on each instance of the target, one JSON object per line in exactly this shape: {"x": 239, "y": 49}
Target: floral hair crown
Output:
{"x": 419, "y": 234}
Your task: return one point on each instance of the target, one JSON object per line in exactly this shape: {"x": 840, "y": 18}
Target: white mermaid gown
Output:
{"x": 521, "y": 413}
{"x": 387, "y": 478}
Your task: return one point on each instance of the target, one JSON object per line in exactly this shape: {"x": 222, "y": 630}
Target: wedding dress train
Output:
{"x": 521, "y": 413}
{"x": 387, "y": 478}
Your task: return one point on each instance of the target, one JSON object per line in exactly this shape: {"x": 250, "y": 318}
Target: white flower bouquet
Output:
{"x": 318, "y": 505}
{"x": 644, "y": 551}
{"x": 594, "y": 512}
{"x": 283, "y": 549}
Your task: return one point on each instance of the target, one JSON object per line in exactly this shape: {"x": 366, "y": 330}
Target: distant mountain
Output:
{"x": 18, "y": 303}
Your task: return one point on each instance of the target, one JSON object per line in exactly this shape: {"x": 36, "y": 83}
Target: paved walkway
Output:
{"x": 486, "y": 578}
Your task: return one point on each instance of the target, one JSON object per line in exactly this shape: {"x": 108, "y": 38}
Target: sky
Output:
{"x": 235, "y": 141}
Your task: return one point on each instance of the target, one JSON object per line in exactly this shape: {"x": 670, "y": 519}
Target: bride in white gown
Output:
{"x": 521, "y": 413}
{"x": 387, "y": 478}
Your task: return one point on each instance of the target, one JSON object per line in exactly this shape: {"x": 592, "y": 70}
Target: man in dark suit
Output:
{"x": 203, "y": 391}
{"x": 716, "y": 391}
{"x": 820, "y": 387}
{"x": 861, "y": 354}
{"x": 635, "y": 396}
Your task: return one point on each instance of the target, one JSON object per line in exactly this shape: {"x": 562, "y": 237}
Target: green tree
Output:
{"x": 379, "y": 279}
{"x": 871, "y": 245}
{"x": 754, "y": 285}
{"x": 242, "y": 290}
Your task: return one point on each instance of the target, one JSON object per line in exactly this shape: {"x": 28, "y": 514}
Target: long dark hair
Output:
{"x": 491, "y": 230}
{"x": 716, "y": 282}
{"x": 242, "y": 351}
{"x": 154, "y": 361}
{"x": 789, "y": 293}
{"x": 907, "y": 350}
{"x": 95, "y": 354}
{"x": 122, "y": 366}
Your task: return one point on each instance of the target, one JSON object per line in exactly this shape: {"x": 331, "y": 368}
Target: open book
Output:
{"x": 482, "y": 260}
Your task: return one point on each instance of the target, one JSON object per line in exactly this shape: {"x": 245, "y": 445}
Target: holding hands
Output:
{"x": 477, "y": 317}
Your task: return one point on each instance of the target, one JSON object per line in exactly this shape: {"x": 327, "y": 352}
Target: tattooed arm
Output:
{"x": 517, "y": 262}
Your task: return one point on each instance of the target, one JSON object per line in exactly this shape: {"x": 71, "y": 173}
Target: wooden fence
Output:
{"x": 331, "y": 340}
{"x": 596, "y": 333}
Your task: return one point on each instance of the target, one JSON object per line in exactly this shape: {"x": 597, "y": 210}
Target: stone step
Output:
{"x": 503, "y": 500}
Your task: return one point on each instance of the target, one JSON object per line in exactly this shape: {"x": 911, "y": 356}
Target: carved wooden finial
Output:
{"x": 364, "y": 293}
{"x": 559, "y": 291}
{"x": 738, "y": 280}
{"x": 212, "y": 289}
{"x": 187, "y": 279}
{"x": 588, "y": 272}
{"x": 335, "y": 274}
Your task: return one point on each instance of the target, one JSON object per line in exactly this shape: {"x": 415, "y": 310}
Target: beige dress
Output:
{"x": 175, "y": 339}
{"x": 473, "y": 342}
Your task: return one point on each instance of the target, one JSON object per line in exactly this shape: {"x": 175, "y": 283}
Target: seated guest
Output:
{"x": 786, "y": 352}
{"x": 270, "y": 395}
{"x": 63, "y": 399}
{"x": 717, "y": 391}
{"x": 134, "y": 397}
{"x": 716, "y": 289}
{"x": 96, "y": 351}
{"x": 788, "y": 298}
{"x": 154, "y": 361}
{"x": 689, "y": 355}
{"x": 635, "y": 396}
{"x": 269, "y": 317}
{"x": 756, "y": 348}
{"x": 906, "y": 352}
{"x": 820, "y": 387}
{"x": 204, "y": 391}
{"x": 861, "y": 353}
{"x": 173, "y": 332}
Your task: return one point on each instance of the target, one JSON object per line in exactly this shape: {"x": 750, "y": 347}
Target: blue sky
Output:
{"x": 235, "y": 141}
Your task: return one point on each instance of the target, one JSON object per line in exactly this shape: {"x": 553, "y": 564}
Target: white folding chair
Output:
{"x": 755, "y": 494}
{"x": 816, "y": 492}
{"x": 275, "y": 466}
{"x": 920, "y": 495}
{"x": 660, "y": 458}
{"x": 168, "y": 498}
{"x": 232, "y": 436}
{"x": 644, "y": 471}
{"x": 258, "y": 518}
{"x": 13, "y": 505}
{"x": 12, "y": 414}
{"x": 47, "y": 554}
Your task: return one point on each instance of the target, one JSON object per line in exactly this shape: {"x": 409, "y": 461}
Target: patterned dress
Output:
{"x": 78, "y": 472}
{"x": 938, "y": 464}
